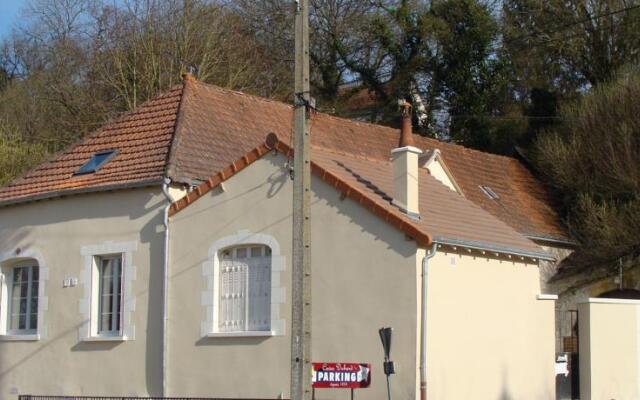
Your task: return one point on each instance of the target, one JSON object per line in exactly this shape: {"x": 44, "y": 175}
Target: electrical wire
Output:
{"x": 564, "y": 27}
{"x": 558, "y": 29}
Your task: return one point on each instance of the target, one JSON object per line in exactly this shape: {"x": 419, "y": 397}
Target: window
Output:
{"x": 109, "y": 294}
{"x": 108, "y": 303}
{"x": 243, "y": 293}
{"x": 96, "y": 162}
{"x": 489, "y": 192}
{"x": 23, "y": 300}
{"x": 245, "y": 289}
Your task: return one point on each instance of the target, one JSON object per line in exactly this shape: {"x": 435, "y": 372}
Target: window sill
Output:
{"x": 20, "y": 338}
{"x": 241, "y": 334}
{"x": 105, "y": 339}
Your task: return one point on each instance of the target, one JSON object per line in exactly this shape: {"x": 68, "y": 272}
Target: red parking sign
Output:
{"x": 341, "y": 375}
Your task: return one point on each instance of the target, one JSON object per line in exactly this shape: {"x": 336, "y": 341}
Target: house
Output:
{"x": 154, "y": 258}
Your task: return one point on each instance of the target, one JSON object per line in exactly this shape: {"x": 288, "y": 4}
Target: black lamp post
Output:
{"x": 389, "y": 367}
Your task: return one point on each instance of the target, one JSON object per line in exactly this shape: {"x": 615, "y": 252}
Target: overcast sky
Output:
{"x": 9, "y": 10}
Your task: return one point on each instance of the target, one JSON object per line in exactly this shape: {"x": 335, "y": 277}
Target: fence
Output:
{"x": 41, "y": 397}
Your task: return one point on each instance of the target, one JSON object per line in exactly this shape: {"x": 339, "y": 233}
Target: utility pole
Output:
{"x": 301, "y": 290}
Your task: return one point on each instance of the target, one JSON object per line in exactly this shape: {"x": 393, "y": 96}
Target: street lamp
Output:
{"x": 388, "y": 366}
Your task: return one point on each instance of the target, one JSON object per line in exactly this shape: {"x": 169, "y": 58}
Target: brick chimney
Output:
{"x": 405, "y": 167}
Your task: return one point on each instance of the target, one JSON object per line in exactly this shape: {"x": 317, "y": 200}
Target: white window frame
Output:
{"x": 89, "y": 305}
{"x": 10, "y": 279}
{"x": 211, "y": 293}
{"x": 98, "y": 304}
{"x": 8, "y": 262}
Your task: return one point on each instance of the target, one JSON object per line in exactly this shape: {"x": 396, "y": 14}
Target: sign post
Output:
{"x": 341, "y": 376}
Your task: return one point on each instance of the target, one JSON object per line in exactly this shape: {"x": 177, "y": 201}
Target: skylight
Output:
{"x": 489, "y": 192}
{"x": 96, "y": 162}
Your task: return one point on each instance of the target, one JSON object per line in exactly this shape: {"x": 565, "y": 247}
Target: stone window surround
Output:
{"x": 7, "y": 261}
{"x": 211, "y": 275}
{"x": 88, "y": 303}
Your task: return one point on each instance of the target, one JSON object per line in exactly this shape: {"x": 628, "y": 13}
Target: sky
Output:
{"x": 9, "y": 12}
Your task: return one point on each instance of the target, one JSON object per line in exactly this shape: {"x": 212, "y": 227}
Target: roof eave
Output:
{"x": 553, "y": 241}
{"x": 84, "y": 190}
{"x": 513, "y": 251}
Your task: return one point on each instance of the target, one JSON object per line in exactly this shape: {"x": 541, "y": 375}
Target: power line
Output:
{"x": 504, "y": 117}
{"x": 564, "y": 27}
{"x": 549, "y": 33}
{"x": 515, "y": 118}
{"x": 582, "y": 34}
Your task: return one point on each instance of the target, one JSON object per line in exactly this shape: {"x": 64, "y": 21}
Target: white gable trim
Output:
{"x": 211, "y": 275}
{"x": 434, "y": 162}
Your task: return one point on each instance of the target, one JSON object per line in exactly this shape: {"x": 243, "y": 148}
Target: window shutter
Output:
{"x": 260, "y": 294}
{"x": 232, "y": 296}
{"x": 245, "y": 290}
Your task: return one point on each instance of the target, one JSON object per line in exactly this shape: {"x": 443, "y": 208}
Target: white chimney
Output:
{"x": 405, "y": 168}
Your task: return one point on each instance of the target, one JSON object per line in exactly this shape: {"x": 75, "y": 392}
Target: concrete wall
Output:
{"x": 548, "y": 269}
{"x": 364, "y": 277}
{"x": 609, "y": 349}
{"x": 489, "y": 337}
{"x": 55, "y": 231}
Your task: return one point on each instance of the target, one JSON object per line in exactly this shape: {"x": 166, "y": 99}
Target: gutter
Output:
{"x": 552, "y": 241}
{"x": 423, "y": 321}
{"x": 165, "y": 286}
{"x": 498, "y": 249}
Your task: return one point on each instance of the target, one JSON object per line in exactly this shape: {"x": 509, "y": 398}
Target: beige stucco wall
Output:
{"x": 486, "y": 328}
{"x": 364, "y": 277}
{"x": 609, "y": 349}
{"x": 56, "y": 230}
{"x": 489, "y": 337}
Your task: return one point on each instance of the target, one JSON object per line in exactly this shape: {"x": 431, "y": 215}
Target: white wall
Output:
{"x": 609, "y": 349}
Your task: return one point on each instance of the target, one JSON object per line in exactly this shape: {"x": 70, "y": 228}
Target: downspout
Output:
{"x": 423, "y": 322}
{"x": 165, "y": 286}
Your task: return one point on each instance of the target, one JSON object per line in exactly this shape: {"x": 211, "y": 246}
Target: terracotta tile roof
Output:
{"x": 218, "y": 125}
{"x": 446, "y": 217}
{"x": 142, "y": 138}
{"x": 523, "y": 201}
{"x": 196, "y": 130}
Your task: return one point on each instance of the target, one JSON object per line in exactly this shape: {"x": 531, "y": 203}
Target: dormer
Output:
{"x": 432, "y": 161}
